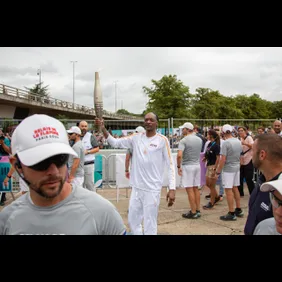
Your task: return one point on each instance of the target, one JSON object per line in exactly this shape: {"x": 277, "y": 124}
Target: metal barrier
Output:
{"x": 111, "y": 172}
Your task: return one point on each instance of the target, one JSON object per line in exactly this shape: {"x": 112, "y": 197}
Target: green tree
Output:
{"x": 123, "y": 112}
{"x": 227, "y": 109}
{"x": 168, "y": 97}
{"x": 276, "y": 110}
{"x": 205, "y": 103}
{"x": 63, "y": 119}
{"x": 39, "y": 90}
{"x": 252, "y": 107}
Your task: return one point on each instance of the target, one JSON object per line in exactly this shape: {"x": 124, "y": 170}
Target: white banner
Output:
{"x": 123, "y": 182}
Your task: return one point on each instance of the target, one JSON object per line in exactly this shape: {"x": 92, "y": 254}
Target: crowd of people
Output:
{"x": 56, "y": 169}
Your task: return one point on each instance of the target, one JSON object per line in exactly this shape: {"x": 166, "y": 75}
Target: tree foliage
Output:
{"x": 39, "y": 90}
{"x": 125, "y": 112}
{"x": 169, "y": 97}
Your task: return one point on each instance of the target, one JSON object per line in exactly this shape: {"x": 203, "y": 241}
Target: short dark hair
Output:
{"x": 272, "y": 144}
{"x": 243, "y": 127}
{"x": 157, "y": 118}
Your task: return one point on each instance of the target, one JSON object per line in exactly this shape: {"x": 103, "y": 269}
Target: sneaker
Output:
{"x": 217, "y": 199}
{"x": 198, "y": 213}
{"x": 208, "y": 206}
{"x": 191, "y": 215}
{"x": 208, "y": 197}
{"x": 239, "y": 212}
{"x": 228, "y": 217}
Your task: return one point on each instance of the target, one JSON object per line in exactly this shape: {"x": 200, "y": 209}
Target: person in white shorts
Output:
{"x": 229, "y": 166}
{"x": 76, "y": 164}
{"x": 188, "y": 164}
{"x": 150, "y": 154}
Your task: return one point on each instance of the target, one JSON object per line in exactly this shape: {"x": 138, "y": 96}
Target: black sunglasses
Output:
{"x": 274, "y": 200}
{"x": 57, "y": 160}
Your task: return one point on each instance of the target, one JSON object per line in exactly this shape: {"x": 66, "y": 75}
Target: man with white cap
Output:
{"x": 40, "y": 149}
{"x": 273, "y": 225}
{"x": 139, "y": 129}
{"x": 76, "y": 164}
{"x": 229, "y": 166}
{"x": 188, "y": 164}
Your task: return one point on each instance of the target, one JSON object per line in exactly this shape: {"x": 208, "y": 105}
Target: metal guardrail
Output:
{"x": 50, "y": 101}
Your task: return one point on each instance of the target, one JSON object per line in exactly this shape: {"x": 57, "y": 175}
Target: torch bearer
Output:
{"x": 98, "y": 98}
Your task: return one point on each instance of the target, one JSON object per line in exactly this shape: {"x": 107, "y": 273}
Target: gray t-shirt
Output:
{"x": 79, "y": 149}
{"x": 191, "y": 145}
{"x": 81, "y": 213}
{"x": 231, "y": 148}
{"x": 266, "y": 227}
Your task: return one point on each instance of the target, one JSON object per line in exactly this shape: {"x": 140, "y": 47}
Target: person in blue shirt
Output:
{"x": 267, "y": 158}
{"x": 4, "y": 151}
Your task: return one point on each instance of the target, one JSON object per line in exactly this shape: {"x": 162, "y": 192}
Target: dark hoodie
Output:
{"x": 259, "y": 206}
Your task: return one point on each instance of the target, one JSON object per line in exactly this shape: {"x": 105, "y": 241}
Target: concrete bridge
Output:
{"x": 18, "y": 104}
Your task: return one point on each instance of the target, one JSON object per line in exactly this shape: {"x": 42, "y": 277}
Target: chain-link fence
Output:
{"x": 253, "y": 124}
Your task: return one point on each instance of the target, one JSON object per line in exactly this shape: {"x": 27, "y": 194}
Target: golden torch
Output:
{"x": 98, "y": 98}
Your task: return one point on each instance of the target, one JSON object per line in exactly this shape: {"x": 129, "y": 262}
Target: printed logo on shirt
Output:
{"x": 153, "y": 145}
{"x": 264, "y": 206}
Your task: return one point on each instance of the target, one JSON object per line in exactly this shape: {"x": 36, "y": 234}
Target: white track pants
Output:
{"x": 143, "y": 205}
{"x": 89, "y": 177}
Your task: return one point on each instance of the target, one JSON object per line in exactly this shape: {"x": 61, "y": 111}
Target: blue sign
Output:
{"x": 4, "y": 169}
{"x": 98, "y": 173}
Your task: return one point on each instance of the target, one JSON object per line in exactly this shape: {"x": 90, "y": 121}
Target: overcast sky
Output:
{"x": 230, "y": 70}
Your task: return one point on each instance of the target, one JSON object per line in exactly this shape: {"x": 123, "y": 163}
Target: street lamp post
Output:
{"x": 73, "y": 87}
{"x": 39, "y": 73}
{"x": 115, "y": 82}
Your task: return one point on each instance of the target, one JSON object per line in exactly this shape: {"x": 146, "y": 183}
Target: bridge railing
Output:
{"x": 50, "y": 101}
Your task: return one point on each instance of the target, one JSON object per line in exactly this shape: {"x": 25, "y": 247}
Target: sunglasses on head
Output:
{"x": 58, "y": 161}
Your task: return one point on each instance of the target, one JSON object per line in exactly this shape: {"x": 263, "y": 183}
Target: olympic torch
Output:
{"x": 98, "y": 98}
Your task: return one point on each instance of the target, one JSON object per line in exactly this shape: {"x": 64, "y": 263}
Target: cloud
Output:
{"x": 230, "y": 70}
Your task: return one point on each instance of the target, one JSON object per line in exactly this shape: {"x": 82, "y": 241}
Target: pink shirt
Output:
{"x": 248, "y": 156}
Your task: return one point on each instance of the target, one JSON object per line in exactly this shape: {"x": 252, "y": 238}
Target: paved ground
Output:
{"x": 170, "y": 220}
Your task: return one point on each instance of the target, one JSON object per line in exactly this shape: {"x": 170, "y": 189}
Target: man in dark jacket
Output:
{"x": 267, "y": 157}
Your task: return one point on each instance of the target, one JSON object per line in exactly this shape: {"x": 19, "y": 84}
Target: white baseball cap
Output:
{"x": 272, "y": 185}
{"x": 227, "y": 127}
{"x": 74, "y": 129}
{"x": 39, "y": 137}
{"x": 140, "y": 129}
{"x": 187, "y": 125}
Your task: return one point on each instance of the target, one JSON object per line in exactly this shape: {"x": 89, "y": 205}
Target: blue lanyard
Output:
{"x": 212, "y": 144}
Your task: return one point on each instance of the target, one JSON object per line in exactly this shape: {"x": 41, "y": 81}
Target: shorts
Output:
{"x": 191, "y": 176}
{"x": 230, "y": 179}
{"x": 210, "y": 171}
